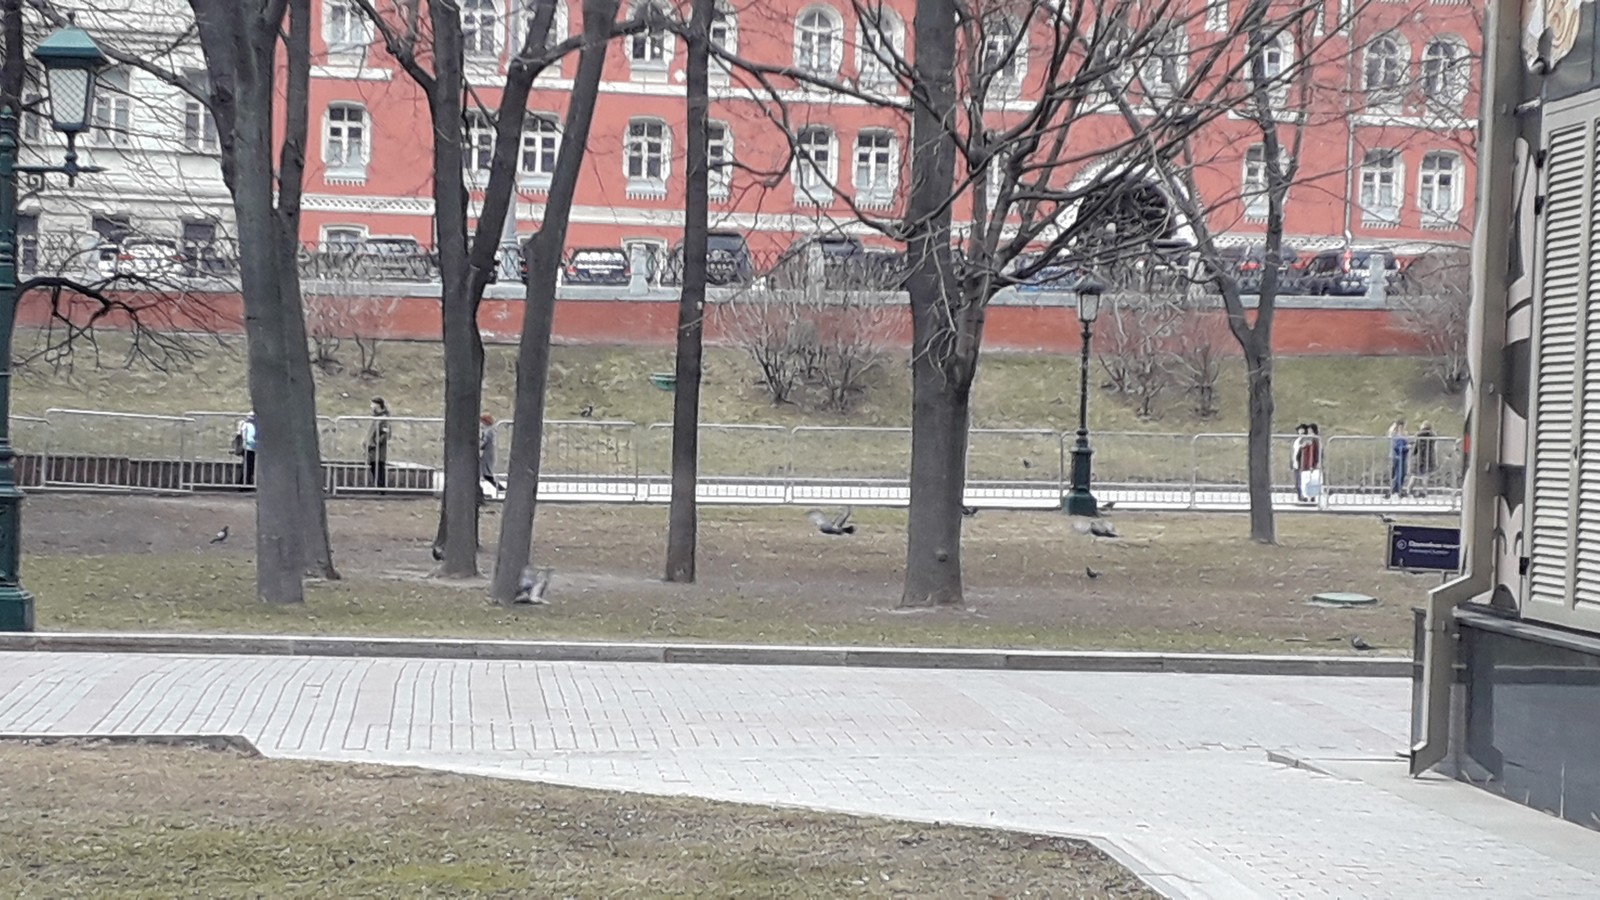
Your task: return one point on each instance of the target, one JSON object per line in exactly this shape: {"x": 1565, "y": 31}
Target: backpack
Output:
{"x": 237, "y": 446}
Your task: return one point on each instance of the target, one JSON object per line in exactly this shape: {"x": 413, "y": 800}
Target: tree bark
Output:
{"x": 533, "y": 349}
{"x": 240, "y": 47}
{"x": 940, "y": 374}
{"x": 682, "y": 525}
{"x": 1258, "y": 377}
{"x": 463, "y": 347}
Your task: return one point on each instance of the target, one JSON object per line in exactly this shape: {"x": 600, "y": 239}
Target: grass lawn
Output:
{"x": 139, "y": 821}
{"x": 1177, "y": 582}
{"x": 1345, "y": 395}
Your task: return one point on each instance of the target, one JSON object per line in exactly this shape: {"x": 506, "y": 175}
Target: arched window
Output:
{"x": 1384, "y": 72}
{"x": 480, "y": 26}
{"x": 525, "y": 11}
{"x": 818, "y": 41}
{"x": 346, "y": 146}
{"x": 647, "y": 152}
{"x": 1167, "y": 65}
{"x": 1445, "y": 71}
{"x": 1005, "y": 55}
{"x": 1439, "y": 189}
{"x": 877, "y": 168}
{"x": 541, "y": 144}
{"x": 650, "y": 51}
{"x": 814, "y": 165}
{"x": 1277, "y": 56}
{"x": 724, "y": 36}
{"x": 880, "y": 41}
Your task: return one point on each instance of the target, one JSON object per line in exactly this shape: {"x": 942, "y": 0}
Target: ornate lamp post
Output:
{"x": 70, "y": 59}
{"x": 1079, "y": 501}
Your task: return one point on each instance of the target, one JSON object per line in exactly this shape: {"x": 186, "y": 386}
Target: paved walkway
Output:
{"x": 1171, "y": 769}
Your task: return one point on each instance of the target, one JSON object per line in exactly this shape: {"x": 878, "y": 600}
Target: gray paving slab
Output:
{"x": 1170, "y": 769}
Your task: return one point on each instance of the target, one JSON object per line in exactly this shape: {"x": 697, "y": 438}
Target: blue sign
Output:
{"x": 1416, "y": 548}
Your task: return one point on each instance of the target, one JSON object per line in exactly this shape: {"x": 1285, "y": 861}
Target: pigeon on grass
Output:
{"x": 531, "y": 587}
{"x": 835, "y": 526}
{"x": 220, "y": 536}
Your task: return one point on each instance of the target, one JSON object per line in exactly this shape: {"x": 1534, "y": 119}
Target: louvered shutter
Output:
{"x": 1586, "y": 542}
{"x": 1566, "y": 415}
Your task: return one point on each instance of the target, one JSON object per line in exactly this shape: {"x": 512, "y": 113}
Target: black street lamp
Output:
{"x": 70, "y": 59}
{"x": 1079, "y": 501}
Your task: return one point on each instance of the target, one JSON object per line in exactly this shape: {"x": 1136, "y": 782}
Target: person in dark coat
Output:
{"x": 377, "y": 444}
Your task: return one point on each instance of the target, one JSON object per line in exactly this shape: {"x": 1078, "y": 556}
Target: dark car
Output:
{"x": 727, "y": 261}
{"x": 598, "y": 266}
{"x": 394, "y": 258}
{"x": 847, "y": 264}
{"x": 1347, "y": 272}
{"x": 1058, "y": 275}
{"x": 1248, "y": 264}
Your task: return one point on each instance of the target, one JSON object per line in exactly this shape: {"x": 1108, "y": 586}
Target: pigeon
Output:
{"x": 1358, "y": 643}
{"x": 1387, "y": 520}
{"x": 837, "y": 526}
{"x": 1090, "y": 572}
{"x": 438, "y": 553}
{"x": 586, "y": 411}
{"x": 1108, "y": 506}
{"x": 1027, "y": 463}
{"x": 532, "y": 586}
{"x": 1099, "y": 528}
{"x": 969, "y": 511}
{"x": 221, "y": 536}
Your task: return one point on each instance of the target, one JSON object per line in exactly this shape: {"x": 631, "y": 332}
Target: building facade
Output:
{"x": 1511, "y": 649}
{"x": 1387, "y": 158}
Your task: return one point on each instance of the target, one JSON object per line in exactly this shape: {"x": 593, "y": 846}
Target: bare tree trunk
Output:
{"x": 682, "y": 522}
{"x": 533, "y": 349}
{"x": 240, "y": 48}
{"x": 1258, "y": 378}
{"x": 940, "y": 379}
{"x": 463, "y": 347}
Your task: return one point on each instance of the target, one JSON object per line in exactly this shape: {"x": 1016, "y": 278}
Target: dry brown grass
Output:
{"x": 99, "y": 820}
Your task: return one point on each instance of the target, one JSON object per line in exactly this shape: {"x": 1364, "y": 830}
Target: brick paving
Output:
{"x": 1170, "y": 769}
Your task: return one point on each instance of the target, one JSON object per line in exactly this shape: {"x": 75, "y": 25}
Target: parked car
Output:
{"x": 727, "y": 261}
{"x": 148, "y": 258}
{"x": 847, "y": 264}
{"x": 1347, "y": 272}
{"x": 598, "y": 266}
{"x": 1057, "y": 276}
{"x": 394, "y": 258}
{"x": 1247, "y": 263}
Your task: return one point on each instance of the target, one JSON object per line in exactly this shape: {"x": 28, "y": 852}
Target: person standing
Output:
{"x": 377, "y": 444}
{"x": 1424, "y": 457}
{"x": 1399, "y": 451}
{"x": 486, "y": 451}
{"x": 1295, "y": 472}
{"x": 1309, "y": 463}
{"x": 246, "y": 440}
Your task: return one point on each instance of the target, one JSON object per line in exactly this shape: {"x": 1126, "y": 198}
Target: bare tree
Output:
{"x": 770, "y": 327}
{"x": 342, "y": 305}
{"x": 1436, "y": 306}
{"x": 1199, "y": 356}
{"x": 1137, "y": 348}
{"x": 544, "y": 253}
{"x": 1033, "y": 182}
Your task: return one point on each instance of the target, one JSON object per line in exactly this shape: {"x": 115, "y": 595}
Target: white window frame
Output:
{"x": 345, "y": 29}
{"x": 1253, "y": 193}
{"x": 643, "y": 135}
{"x": 199, "y": 128}
{"x": 1217, "y": 15}
{"x": 477, "y": 144}
{"x": 1376, "y": 179}
{"x": 481, "y": 22}
{"x": 1277, "y": 56}
{"x": 543, "y": 132}
{"x": 113, "y": 109}
{"x": 879, "y": 45}
{"x": 327, "y": 241}
{"x": 724, "y": 34}
{"x": 649, "y": 52}
{"x": 1436, "y": 184}
{"x": 719, "y": 174}
{"x": 1006, "y": 83}
{"x": 523, "y": 17}
{"x": 343, "y": 164}
{"x": 1383, "y": 74}
{"x": 1171, "y": 45}
{"x": 655, "y": 254}
{"x": 1445, "y": 79}
{"x": 819, "y": 40}
{"x": 813, "y": 182}
{"x": 881, "y": 160}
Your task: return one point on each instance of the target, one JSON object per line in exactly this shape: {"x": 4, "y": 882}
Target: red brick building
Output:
{"x": 1388, "y": 156}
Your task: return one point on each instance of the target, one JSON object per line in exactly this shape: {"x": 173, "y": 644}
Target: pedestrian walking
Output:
{"x": 486, "y": 443}
{"x": 244, "y": 447}
{"x": 1308, "y": 462}
{"x": 1424, "y": 458}
{"x": 377, "y": 444}
{"x": 1399, "y": 452}
{"x": 1300, "y": 433}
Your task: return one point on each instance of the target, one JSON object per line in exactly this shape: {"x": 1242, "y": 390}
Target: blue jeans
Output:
{"x": 1397, "y": 472}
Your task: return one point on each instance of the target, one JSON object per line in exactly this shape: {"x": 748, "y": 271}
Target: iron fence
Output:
{"x": 621, "y": 461}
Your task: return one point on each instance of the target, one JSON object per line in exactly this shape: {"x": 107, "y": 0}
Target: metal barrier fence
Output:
{"x": 142, "y": 452}
{"x": 622, "y": 461}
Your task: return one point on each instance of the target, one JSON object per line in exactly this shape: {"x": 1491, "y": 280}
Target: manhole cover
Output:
{"x": 1342, "y": 598}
